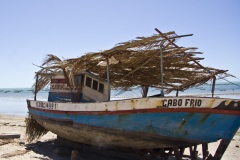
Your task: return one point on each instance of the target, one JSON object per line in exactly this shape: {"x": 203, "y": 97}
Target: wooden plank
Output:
{"x": 221, "y": 149}
{"x": 9, "y": 135}
{"x": 177, "y": 154}
{"x": 205, "y": 151}
{"x": 74, "y": 155}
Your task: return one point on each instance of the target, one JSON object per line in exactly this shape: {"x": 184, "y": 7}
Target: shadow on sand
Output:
{"x": 52, "y": 149}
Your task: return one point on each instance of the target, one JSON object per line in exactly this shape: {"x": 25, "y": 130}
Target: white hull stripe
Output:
{"x": 134, "y": 104}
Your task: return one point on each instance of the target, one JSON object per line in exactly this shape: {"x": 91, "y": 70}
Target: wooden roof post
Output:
{"x": 161, "y": 65}
{"x": 213, "y": 85}
{"x": 108, "y": 80}
{"x": 177, "y": 93}
{"x": 36, "y": 86}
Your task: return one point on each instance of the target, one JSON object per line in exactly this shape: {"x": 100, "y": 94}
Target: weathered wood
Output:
{"x": 139, "y": 67}
{"x": 36, "y": 86}
{"x": 9, "y": 135}
{"x": 181, "y": 151}
{"x": 193, "y": 152}
{"x": 145, "y": 91}
{"x": 74, "y": 155}
{"x": 178, "y": 47}
{"x": 221, "y": 149}
{"x": 177, "y": 154}
{"x": 138, "y": 64}
{"x": 205, "y": 151}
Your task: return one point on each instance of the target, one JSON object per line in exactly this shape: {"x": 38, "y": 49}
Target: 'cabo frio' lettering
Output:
{"x": 182, "y": 102}
{"x": 172, "y": 102}
{"x": 193, "y": 102}
{"x": 46, "y": 105}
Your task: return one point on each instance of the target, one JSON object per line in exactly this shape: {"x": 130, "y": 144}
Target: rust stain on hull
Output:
{"x": 204, "y": 118}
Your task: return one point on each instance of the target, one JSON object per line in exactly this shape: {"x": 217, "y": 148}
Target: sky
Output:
{"x": 29, "y": 30}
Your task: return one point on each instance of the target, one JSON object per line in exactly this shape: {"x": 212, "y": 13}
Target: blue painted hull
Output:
{"x": 167, "y": 129}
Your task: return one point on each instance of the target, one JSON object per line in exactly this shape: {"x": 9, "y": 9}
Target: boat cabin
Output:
{"x": 87, "y": 88}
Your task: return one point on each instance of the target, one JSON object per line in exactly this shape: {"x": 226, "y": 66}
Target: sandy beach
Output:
{"x": 45, "y": 148}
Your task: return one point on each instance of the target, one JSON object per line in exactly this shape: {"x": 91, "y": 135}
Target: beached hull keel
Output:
{"x": 171, "y": 128}
{"x": 142, "y": 143}
{"x": 109, "y": 137}
{"x": 149, "y": 128}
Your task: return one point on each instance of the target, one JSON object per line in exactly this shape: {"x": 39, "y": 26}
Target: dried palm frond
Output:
{"x": 138, "y": 64}
{"x": 51, "y": 60}
{"x": 33, "y": 129}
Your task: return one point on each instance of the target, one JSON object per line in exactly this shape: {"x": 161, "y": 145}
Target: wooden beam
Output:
{"x": 9, "y": 135}
{"x": 178, "y": 47}
{"x": 138, "y": 67}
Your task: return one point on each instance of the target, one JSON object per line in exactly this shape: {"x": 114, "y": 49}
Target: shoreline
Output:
{"x": 44, "y": 148}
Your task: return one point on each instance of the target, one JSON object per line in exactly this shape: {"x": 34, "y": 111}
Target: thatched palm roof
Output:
{"x": 138, "y": 63}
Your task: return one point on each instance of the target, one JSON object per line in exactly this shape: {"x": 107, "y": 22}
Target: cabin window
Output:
{"x": 95, "y": 85}
{"x": 89, "y": 82}
{"x": 101, "y": 87}
{"x": 78, "y": 80}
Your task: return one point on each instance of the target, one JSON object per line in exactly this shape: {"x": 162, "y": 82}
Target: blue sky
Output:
{"x": 31, "y": 29}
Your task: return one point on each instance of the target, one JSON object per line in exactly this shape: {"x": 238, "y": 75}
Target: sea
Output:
{"x": 13, "y": 100}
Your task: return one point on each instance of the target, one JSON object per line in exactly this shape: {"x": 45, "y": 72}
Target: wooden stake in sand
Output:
{"x": 9, "y": 135}
{"x": 74, "y": 155}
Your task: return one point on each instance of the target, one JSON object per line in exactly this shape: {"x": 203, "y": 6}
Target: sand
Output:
{"x": 45, "y": 148}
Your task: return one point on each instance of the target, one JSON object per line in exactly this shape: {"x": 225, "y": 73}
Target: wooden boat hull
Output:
{"x": 149, "y": 127}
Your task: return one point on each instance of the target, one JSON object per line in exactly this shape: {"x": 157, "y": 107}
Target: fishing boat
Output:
{"x": 80, "y": 109}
